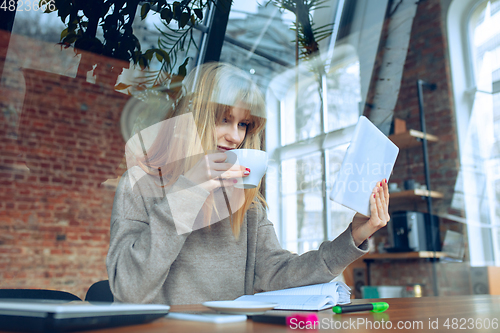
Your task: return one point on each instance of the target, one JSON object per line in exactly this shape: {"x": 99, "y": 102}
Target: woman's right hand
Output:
{"x": 212, "y": 168}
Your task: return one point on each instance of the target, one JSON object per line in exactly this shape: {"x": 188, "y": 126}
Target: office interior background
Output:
{"x": 64, "y": 125}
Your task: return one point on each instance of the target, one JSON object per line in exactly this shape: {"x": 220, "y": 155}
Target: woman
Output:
{"x": 174, "y": 240}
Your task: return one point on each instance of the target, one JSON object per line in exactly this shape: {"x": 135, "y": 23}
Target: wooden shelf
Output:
{"x": 411, "y": 138}
{"x": 415, "y": 194}
{"x": 403, "y": 255}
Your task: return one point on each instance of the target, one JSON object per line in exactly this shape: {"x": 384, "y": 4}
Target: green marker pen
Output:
{"x": 373, "y": 307}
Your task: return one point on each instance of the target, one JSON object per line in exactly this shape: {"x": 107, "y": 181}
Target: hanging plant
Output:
{"x": 84, "y": 18}
{"x": 308, "y": 36}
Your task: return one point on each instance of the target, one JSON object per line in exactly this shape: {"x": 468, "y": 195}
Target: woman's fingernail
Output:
{"x": 385, "y": 180}
{"x": 246, "y": 173}
{"x": 374, "y": 195}
{"x": 235, "y": 181}
{"x": 380, "y": 184}
{"x": 247, "y": 169}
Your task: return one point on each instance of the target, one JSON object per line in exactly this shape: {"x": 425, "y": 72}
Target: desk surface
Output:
{"x": 471, "y": 313}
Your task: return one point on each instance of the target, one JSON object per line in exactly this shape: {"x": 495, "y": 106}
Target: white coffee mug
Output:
{"x": 254, "y": 159}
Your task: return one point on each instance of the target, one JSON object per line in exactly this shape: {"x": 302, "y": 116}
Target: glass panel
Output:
{"x": 340, "y": 216}
{"x": 336, "y": 156}
{"x": 301, "y": 116}
{"x": 486, "y": 37}
{"x": 301, "y": 112}
{"x": 495, "y": 169}
{"x": 303, "y": 218}
{"x": 257, "y": 26}
{"x": 496, "y": 120}
{"x": 302, "y": 174}
{"x": 268, "y": 29}
{"x": 343, "y": 97}
{"x": 344, "y": 94}
{"x": 481, "y": 153}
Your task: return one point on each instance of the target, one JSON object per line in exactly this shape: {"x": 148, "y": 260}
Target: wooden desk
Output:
{"x": 415, "y": 313}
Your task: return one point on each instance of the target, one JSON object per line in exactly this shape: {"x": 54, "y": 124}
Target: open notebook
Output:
{"x": 313, "y": 298}
{"x": 54, "y": 316}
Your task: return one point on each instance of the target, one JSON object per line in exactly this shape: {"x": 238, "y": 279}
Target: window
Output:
{"x": 476, "y": 80}
{"x": 311, "y": 147}
{"x": 310, "y": 116}
{"x": 306, "y": 138}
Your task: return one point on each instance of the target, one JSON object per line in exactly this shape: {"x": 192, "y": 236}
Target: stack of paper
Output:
{"x": 314, "y": 297}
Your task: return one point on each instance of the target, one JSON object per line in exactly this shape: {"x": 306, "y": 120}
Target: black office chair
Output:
{"x": 38, "y": 294}
{"x": 100, "y": 292}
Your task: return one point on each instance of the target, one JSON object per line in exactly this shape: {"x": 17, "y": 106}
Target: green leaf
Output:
{"x": 149, "y": 54}
{"x": 175, "y": 9}
{"x": 199, "y": 13}
{"x": 144, "y": 10}
{"x": 182, "y": 68}
{"x": 64, "y": 33}
{"x": 70, "y": 39}
{"x": 184, "y": 20}
{"x": 164, "y": 55}
{"x": 135, "y": 56}
{"x": 143, "y": 63}
{"x": 167, "y": 15}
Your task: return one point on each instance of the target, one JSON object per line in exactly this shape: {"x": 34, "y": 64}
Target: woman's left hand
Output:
{"x": 362, "y": 226}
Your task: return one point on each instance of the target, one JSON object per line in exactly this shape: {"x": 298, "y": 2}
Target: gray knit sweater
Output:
{"x": 150, "y": 262}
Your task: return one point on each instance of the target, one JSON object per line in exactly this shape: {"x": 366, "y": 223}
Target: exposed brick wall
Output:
{"x": 54, "y": 211}
{"x": 427, "y": 60}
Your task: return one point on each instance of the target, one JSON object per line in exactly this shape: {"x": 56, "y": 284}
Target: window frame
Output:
{"x": 464, "y": 87}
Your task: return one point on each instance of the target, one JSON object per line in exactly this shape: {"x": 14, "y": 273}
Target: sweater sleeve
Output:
{"x": 147, "y": 234}
{"x": 276, "y": 268}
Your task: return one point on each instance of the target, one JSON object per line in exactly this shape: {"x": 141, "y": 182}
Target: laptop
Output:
{"x": 55, "y": 316}
{"x": 369, "y": 158}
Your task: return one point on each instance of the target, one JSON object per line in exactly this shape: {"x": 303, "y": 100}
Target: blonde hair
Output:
{"x": 209, "y": 92}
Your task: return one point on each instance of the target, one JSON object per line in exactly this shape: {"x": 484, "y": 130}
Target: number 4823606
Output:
{"x": 28, "y": 5}
{"x": 471, "y": 323}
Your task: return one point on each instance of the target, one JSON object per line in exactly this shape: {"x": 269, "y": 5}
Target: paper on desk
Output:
{"x": 313, "y": 297}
